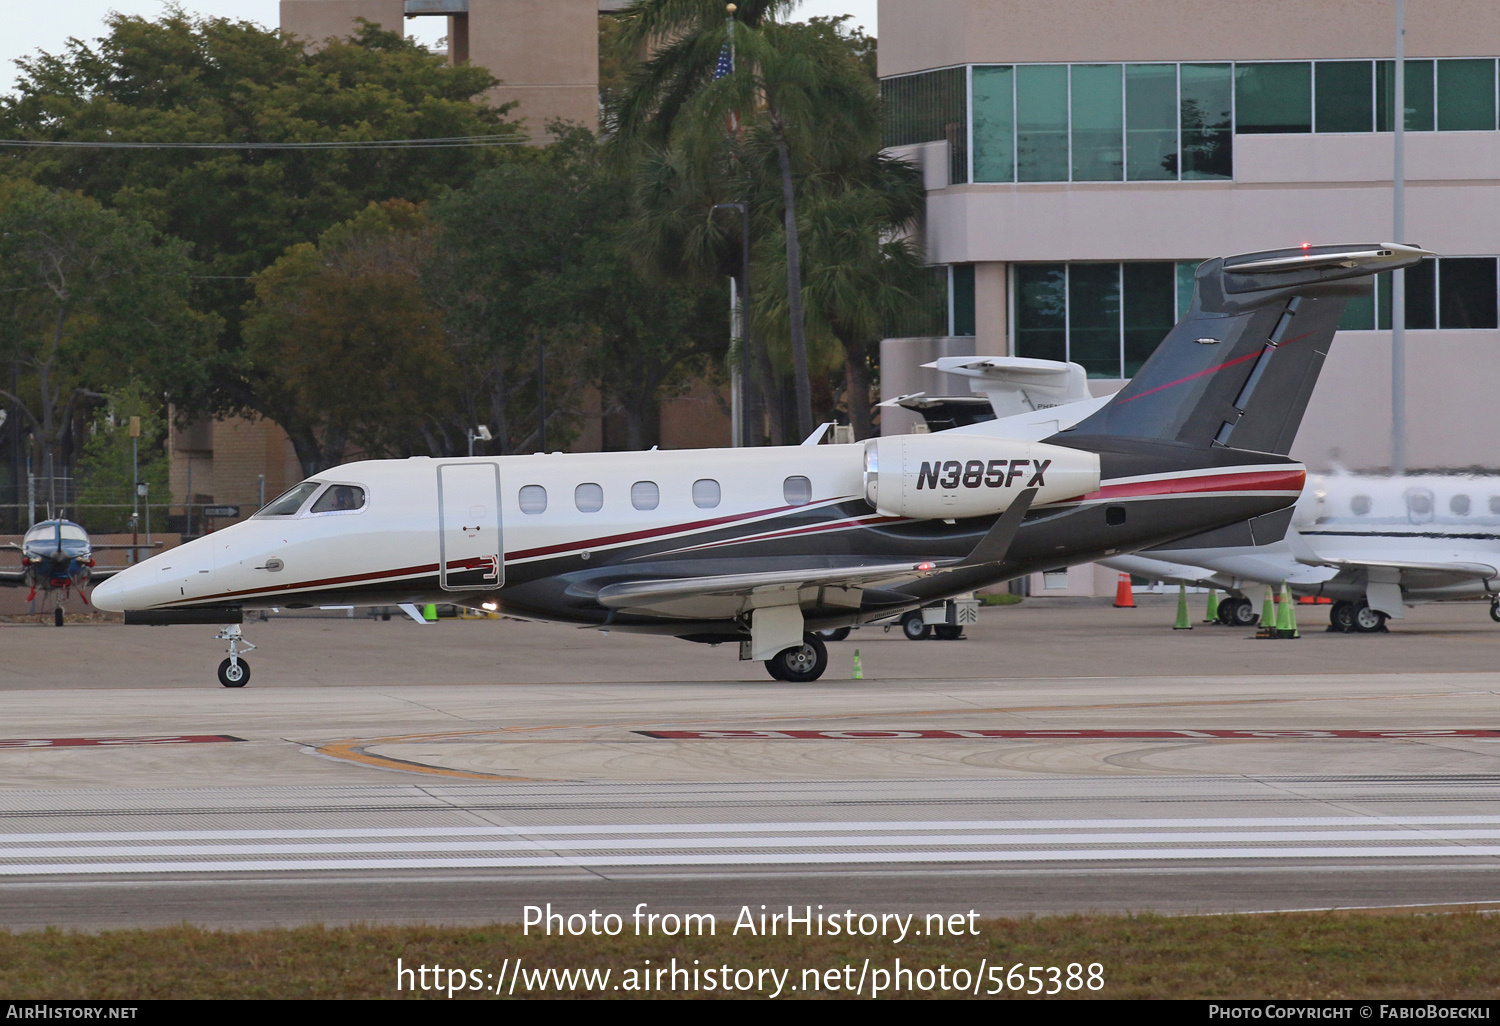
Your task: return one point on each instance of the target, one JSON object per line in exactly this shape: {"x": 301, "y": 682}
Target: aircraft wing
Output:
{"x": 1458, "y": 569}
{"x": 727, "y": 595}
{"x": 830, "y": 589}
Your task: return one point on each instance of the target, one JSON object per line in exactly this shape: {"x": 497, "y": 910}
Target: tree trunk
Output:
{"x": 857, "y": 392}
{"x": 794, "y": 284}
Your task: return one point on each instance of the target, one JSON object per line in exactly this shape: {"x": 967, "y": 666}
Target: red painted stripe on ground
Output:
{"x": 1058, "y": 735}
{"x": 81, "y": 742}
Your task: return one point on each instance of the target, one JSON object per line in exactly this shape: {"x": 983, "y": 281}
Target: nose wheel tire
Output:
{"x": 57, "y": 617}
{"x": 834, "y": 634}
{"x": 913, "y": 627}
{"x": 1495, "y": 611}
{"x": 234, "y": 673}
{"x": 1367, "y": 620}
{"x": 948, "y": 632}
{"x": 806, "y": 662}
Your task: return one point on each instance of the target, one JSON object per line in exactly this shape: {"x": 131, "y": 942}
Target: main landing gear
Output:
{"x": 1495, "y": 610}
{"x": 914, "y": 629}
{"x": 1356, "y": 618}
{"x": 806, "y": 662}
{"x": 234, "y": 672}
{"x": 1238, "y": 612}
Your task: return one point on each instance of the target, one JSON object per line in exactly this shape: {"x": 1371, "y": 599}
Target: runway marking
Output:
{"x": 1063, "y": 735}
{"x": 777, "y": 843}
{"x": 353, "y": 751}
{"x": 83, "y": 742}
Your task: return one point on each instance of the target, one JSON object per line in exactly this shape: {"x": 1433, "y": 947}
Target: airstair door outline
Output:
{"x": 471, "y": 552}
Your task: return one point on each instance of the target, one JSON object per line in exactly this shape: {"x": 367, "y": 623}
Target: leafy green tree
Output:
{"x": 360, "y": 354}
{"x": 801, "y": 107}
{"x": 107, "y": 465}
{"x": 535, "y": 271}
{"x": 214, "y": 80}
{"x": 89, "y": 298}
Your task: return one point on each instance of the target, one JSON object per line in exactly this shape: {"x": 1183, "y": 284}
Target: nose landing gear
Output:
{"x": 234, "y": 672}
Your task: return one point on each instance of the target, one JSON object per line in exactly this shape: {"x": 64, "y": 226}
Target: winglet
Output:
{"x": 996, "y": 543}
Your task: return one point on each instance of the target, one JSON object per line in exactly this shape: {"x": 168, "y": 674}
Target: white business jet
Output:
{"x": 766, "y": 546}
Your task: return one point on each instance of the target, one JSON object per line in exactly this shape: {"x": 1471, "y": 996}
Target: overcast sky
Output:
{"x": 33, "y": 26}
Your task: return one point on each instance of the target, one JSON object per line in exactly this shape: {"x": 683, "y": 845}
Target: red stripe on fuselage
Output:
{"x": 1252, "y": 481}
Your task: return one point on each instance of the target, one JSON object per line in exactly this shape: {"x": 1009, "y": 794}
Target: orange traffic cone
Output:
{"x": 1124, "y": 599}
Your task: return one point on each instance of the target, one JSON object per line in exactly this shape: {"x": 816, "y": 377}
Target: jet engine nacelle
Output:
{"x": 948, "y": 476}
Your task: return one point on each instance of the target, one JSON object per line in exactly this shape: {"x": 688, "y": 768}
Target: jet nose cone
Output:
{"x": 113, "y": 595}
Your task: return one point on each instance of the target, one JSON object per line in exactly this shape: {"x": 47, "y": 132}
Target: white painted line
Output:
{"x": 754, "y": 858}
{"x": 1103, "y": 843}
{"x": 549, "y": 830}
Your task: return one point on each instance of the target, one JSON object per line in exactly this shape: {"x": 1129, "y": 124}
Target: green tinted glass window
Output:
{"x": 1359, "y": 313}
{"x": 1207, "y": 121}
{"x": 1150, "y": 309}
{"x": 1042, "y": 123}
{"x": 1098, "y": 106}
{"x": 1150, "y": 122}
{"x": 1345, "y": 96}
{"x": 1466, "y": 292}
{"x": 1419, "y": 94}
{"x": 1041, "y": 311}
{"x": 1273, "y": 98}
{"x": 1187, "y": 278}
{"x": 1094, "y": 318}
{"x": 994, "y": 124}
{"x": 930, "y": 107}
{"x": 963, "y": 300}
{"x": 1421, "y": 295}
{"x": 1466, "y": 96}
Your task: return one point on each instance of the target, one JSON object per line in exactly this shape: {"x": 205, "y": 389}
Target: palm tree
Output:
{"x": 794, "y": 96}
{"x": 863, "y": 270}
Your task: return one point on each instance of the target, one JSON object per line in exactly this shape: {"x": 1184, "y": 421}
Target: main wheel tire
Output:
{"x": 57, "y": 617}
{"x": 1367, "y": 620}
{"x": 1226, "y": 610}
{"x": 1243, "y": 614}
{"x": 234, "y": 674}
{"x": 913, "y": 627}
{"x": 1341, "y": 616}
{"x": 834, "y": 634}
{"x": 806, "y": 662}
{"x": 1495, "y": 611}
{"x": 948, "y": 632}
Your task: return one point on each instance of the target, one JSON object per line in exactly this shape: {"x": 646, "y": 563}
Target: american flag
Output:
{"x": 726, "y": 62}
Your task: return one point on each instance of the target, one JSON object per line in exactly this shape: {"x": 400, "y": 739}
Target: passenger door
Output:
{"x": 470, "y": 552}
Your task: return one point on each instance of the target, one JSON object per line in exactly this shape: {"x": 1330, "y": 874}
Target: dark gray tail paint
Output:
{"x": 1238, "y": 369}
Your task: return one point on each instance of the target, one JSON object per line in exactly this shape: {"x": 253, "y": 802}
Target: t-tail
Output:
{"x": 1238, "y": 370}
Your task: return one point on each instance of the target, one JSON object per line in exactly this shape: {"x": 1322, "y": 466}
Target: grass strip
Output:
{"x": 1284, "y": 956}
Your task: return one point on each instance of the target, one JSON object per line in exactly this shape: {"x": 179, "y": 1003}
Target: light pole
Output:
{"x": 1398, "y": 277}
{"x": 135, "y": 477}
{"x": 741, "y": 301}
{"x": 482, "y": 433}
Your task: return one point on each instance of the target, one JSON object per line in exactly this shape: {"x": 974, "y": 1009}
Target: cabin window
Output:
{"x": 1419, "y": 502}
{"x": 645, "y": 495}
{"x": 340, "y": 499}
{"x": 289, "y": 502}
{"x": 706, "y": 493}
{"x": 797, "y": 490}
{"x": 533, "y": 499}
{"x": 588, "y": 497}
{"x": 1495, "y": 504}
{"x": 1360, "y": 505}
{"x": 1459, "y": 505}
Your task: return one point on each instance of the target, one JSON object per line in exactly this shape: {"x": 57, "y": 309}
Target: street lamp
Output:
{"x": 741, "y": 301}
{"x": 482, "y": 433}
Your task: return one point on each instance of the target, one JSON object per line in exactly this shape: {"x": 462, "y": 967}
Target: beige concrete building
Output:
{"x": 1080, "y": 157}
{"x": 545, "y": 52}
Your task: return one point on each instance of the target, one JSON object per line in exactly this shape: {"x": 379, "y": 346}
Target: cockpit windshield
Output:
{"x": 340, "y": 498}
{"x": 289, "y": 502}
